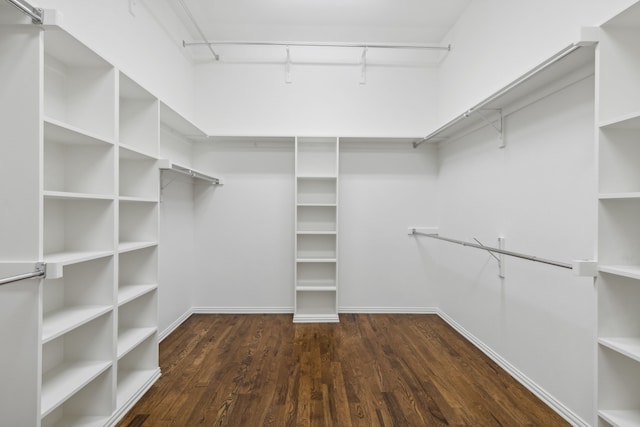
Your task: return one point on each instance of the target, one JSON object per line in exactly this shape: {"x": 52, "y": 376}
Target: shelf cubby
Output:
{"x": 619, "y": 154}
{"x": 138, "y": 222}
{"x": 316, "y": 276}
{"x": 84, "y": 293}
{"x": 316, "y": 247}
{"x": 316, "y": 305}
{"x": 316, "y": 219}
{"x": 619, "y": 388}
{"x": 317, "y": 157}
{"x": 139, "y": 117}
{"x": 316, "y": 191}
{"x": 137, "y": 274}
{"x": 77, "y": 230}
{"x": 69, "y": 364}
{"x": 136, "y": 322}
{"x": 77, "y": 163}
{"x": 79, "y": 86}
{"x": 619, "y": 234}
{"x": 92, "y": 406}
{"x": 139, "y": 176}
{"x": 136, "y": 370}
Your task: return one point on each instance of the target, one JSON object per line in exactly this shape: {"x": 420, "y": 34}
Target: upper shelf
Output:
{"x": 564, "y": 63}
{"x": 166, "y": 164}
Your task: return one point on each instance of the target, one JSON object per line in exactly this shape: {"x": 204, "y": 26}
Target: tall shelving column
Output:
{"x": 138, "y": 224}
{"x": 316, "y": 230}
{"x": 619, "y": 221}
{"x": 78, "y": 233}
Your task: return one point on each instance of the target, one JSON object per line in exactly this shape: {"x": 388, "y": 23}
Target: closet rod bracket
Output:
{"x": 496, "y": 124}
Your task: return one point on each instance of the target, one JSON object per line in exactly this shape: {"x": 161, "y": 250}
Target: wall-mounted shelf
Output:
{"x": 541, "y": 80}
{"x": 166, "y": 164}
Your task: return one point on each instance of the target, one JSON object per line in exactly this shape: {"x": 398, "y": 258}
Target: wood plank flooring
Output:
{"x": 368, "y": 370}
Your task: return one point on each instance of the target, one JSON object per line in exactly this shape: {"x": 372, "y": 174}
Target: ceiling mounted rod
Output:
{"x": 34, "y": 12}
{"x": 321, "y": 44}
{"x": 195, "y": 24}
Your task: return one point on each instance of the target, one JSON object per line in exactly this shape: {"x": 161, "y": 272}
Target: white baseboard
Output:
{"x": 531, "y": 385}
{"x": 179, "y": 321}
{"x": 390, "y": 310}
{"x": 242, "y": 310}
{"x": 119, "y": 414}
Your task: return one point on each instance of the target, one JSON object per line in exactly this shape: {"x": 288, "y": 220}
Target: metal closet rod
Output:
{"x": 321, "y": 44}
{"x": 34, "y": 12}
{"x": 496, "y": 250}
{"x": 40, "y": 271}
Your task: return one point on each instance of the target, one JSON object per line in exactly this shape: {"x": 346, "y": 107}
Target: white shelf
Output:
{"x": 62, "y": 321}
{"x": 65, "y": 195}
{"x": 317, "y": 205}
{"x": 134, "y": 246}
{"x": 74, "y": 257}
{"x": 166, "y": 164}
{"x": 63, "y": 381}
{"x": 134, "y": 153}
{"x": 317, "y": 232}
{"x": 138, "y": 199}
{"x": 629, "y": 121}
{"x": 628, "y": 346}
{"x": 315, "y": 288}
{"x": 619, "y": 196}
{"x": 549, "y": 73}
{"x": 82, "y": 421}
{"x": 621, "y": 418}
{"x": 132, "y": 382}
{"x": 57, "y": 130}
{"x": 128, "y": 339}
{"x": 301, "y": 260}
{"x": 317, "y": 176}
{"x": 128, "y": 293}
{"x": 631, "y": 271}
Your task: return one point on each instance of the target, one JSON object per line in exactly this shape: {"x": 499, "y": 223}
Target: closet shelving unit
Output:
{"x": 88, "y": 145}
{"x": 618, "y": 284}
{"x": 316, "y": 229}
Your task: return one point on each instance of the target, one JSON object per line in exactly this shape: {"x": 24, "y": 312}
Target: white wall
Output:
{"x": 253, "y": 99}
{"x": 384, "y": 189}
{"x": 245, "y": 228}
{"x": 540, "y": 194}
{"x": 178, "y": 270}
{"x": 133, "y": 42}
{"x": 496, "y": 41}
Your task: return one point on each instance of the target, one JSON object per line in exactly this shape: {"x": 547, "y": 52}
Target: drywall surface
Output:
{"x": 177, "y": 267}
{"x": 127, "y": 35}
{"x": 539, "y": 192}
{"x": 496, "y": 41}
{"x": 254, "y": 99}
{"x": 384, "y": 189}
{"x": 245, "y": 228}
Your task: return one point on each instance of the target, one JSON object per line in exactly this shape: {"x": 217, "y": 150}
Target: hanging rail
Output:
{"x": 321, "y": 44}
{"x": 34, "y": 12}
{"x": 40, "y": 271}
{"x": 496, "y": 250}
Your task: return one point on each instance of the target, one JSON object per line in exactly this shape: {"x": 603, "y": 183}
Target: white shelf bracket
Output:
{"x": 287, "y": 68}
{"x": 497, "y": 127}
{"x": 501, "y": 246}
{"x": 363, "y": 64}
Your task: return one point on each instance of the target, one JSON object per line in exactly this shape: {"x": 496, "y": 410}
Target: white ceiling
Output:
{"x": 330, "y": 21}
{"x": 364, "y": 21}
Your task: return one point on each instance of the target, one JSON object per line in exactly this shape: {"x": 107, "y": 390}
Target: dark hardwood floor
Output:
{"x": 367, "y": 370}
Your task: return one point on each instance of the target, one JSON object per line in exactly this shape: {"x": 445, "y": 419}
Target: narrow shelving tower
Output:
{"x": 619, "y": 221}
{"x": 316, "y": 230}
